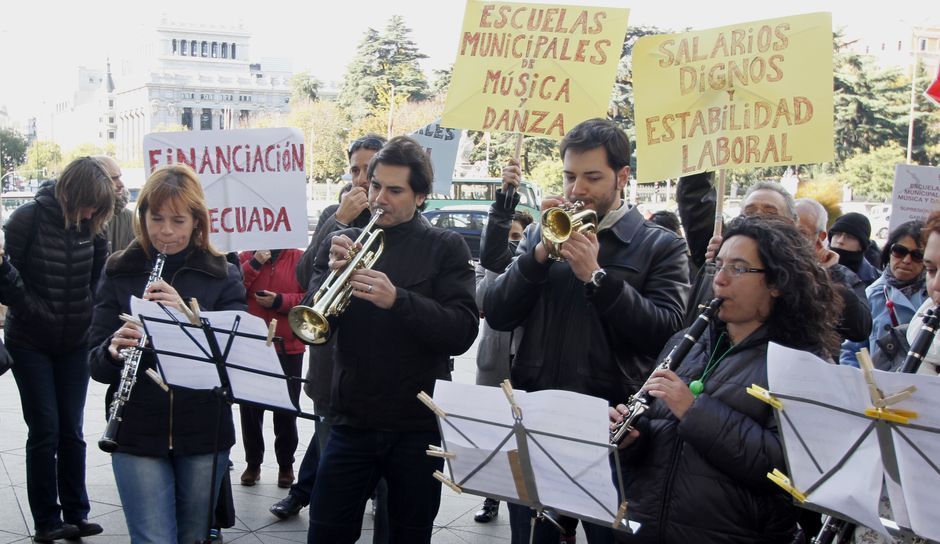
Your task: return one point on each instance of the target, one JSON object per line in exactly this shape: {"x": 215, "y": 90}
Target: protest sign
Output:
{"x": 916, "y": 193}
{"x": 747, "y": 95}
{"x": 253, "y": 179}
{"x": 441, "y": 146}
{"x": 533, "y": 69}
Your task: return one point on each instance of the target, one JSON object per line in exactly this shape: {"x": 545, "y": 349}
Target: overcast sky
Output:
{"x": 42, "y": 43}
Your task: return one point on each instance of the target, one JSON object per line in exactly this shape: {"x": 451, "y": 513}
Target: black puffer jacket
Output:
{"x": 153, "y": 419}
{"x": 599, "y": 343}
{"x": 704, "y": 479}
{"x": 50, "y": 306}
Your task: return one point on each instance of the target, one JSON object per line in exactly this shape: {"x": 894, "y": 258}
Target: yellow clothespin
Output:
{"x": 865, "y": 363}
{"x": 271, "y": 327}
{"x": 764, "y": 395}
{"x": 437, "y": 451}
{"x": 881, "y": 404}
{"x": 194, "y": 309}
{"x": 439, "y": 476}
{"x": 157, "y": 379}
{"x": 507, "y": 390}
{"x": 127, "y": 318}
{"x": 429, "y": 402}
{"x": 621, "y": 514}
{"x": 783, "y": 481}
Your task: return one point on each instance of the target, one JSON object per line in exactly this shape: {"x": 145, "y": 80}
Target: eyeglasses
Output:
{"x": 901, "y": 251}
{"x": 368, "y": 142}
{"x": 732, "y": 269}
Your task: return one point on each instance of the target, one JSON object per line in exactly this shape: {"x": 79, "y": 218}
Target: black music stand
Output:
{"x": 182, "y": 339}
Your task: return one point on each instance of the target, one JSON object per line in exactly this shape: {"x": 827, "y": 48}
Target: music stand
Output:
{"x": 213, "y": 339}
{"x": 551, "y": 461}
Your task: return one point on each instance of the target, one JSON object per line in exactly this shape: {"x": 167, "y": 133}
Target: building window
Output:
{"x": 205, "y": 120}
{"x": 111, "y": 103}
{"x": 183, "y": 47}
{"x": 899, "y": 45}
{"x": 923, "y": 44}
{"x": 110, "y": 135}
{"x": 224, "y": 50}
{"x": 174, "y": 46}
{"x": 215, "y": 50}
{"x": 111, "y": 120}
{"x": 205, "y": 49}
{"x": 193, "y": 48}
{"x": 187, "y": 118}
{"x": 233, "y": 50}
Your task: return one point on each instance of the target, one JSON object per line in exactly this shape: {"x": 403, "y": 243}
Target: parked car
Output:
{"x": 12, "y": 200}
{"x": 468, "y": 221}
{"x": 482, "y": 191}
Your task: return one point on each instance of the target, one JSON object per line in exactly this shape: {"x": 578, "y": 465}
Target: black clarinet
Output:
{"x": 834, "y": 527}
{"x": 639, "y": 403}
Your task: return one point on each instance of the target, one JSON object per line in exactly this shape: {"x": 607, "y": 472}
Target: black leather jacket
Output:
{"x": 704, "y": 478}
{"x": 599, "y": 342}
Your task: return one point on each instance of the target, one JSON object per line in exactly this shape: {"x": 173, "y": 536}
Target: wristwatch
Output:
{"x": 597, "y": 277}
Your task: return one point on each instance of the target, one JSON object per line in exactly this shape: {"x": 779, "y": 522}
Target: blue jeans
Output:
{"x": 167, "y": 499}
{"x": 52, "y": 393}
{"x": 349, "y": 470}
{"x": 520, "y": 523}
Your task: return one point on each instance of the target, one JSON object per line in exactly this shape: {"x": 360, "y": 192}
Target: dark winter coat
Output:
{"x": 704, "y": 479}
{"x": 51, "y": 301}
{"x": 600, "y": 341}
{"x": 384, "y": 358}
{"x": 156, "y": 421}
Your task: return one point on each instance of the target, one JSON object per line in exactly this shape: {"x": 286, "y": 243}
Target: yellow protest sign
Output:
{"x": 746, "y": 95}
{"x": 536, "y": 69}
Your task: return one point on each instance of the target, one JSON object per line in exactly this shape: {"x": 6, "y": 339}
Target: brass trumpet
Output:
{"x": 311, "y": 324}
{"x": 558, "y": 223}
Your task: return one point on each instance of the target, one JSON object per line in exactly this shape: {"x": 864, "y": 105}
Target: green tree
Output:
{"x": 549, "y": 175}
{"x": 384, "y": 63}
{"x": 442, "y": 81}
{"x": 44, "y": 154}
{"x": 827, "y": 191}
{"x": 304, "y": 87}
{"x": 872, "y": 173}
{"x": 86, "y": 150}
{"x": 620, "y": 109}
{"x": 324, "y": 127}
{"x": 12, "y": 149}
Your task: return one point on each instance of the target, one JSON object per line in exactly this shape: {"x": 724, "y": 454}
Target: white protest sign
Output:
{"x": 253, "y": 179}
{"x": 441, "y": 145}
{"x": 916, "y": 193}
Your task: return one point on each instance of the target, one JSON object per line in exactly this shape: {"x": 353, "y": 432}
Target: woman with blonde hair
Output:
{"x": 166, "y": 440}
{"x": 55, "y": 250}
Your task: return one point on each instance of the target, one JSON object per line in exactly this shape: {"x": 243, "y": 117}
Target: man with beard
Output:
{"x": 120, "y": 229}
{"x": 594, "y": 322}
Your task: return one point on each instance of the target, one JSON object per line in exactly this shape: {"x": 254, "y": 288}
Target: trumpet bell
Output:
{"x": 309, "y": 325}
{"x": 556, "y": 225}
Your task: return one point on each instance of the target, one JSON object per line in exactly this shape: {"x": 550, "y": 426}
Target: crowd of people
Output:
{"x": 592, "y": 315}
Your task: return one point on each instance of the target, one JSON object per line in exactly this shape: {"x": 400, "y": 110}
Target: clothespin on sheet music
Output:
{"x": 621, "y": 514}
{"x": 194, "y": 308}
{"x": 157, "y": 379}
{"x": 187, "y": 312}
{"x": 270, "y": 337}
{"x": 507, "y": 389}
{"x": 783, "y": 481}
{"x": 764, "y": 395}
{"x": 881, "y": 404}
{"x": 439, "y": 476}
{"x": 437, "y": 451}
{"x": 429, "y": 402}
{"x": 128, "y": 318}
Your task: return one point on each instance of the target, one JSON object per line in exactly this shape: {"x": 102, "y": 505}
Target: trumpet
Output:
{"x": 559, "y": 222}
{"x": 639, "y": 402}
{"x": 108, "y": 441}
{"x": 311, "y": 324}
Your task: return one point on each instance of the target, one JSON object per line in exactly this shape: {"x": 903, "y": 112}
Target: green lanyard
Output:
{"x": 697, "y": 386}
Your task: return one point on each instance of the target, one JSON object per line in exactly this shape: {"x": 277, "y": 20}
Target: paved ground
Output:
{"x": 255, "y": 524}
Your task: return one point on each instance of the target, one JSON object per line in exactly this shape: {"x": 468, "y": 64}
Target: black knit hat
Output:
{"x": 853, "y": 224}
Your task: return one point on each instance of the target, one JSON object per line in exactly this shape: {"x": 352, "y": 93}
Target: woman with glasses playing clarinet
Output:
{"x": 165, "y": 442}
{"x": 695, "y": 466}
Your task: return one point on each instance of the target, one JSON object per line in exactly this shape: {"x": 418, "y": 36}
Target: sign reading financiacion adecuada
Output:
{"x": 741, "y": 96}
{"x": 253, "y": 180}
{"x": 535, "y": 69}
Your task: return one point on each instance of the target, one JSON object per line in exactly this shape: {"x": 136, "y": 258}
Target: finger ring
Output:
{"x": 370, "y": 288}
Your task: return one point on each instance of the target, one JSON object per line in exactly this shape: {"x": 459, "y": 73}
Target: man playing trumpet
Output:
{"x": 594, "y": 321}
{"x": 409, "y": 313}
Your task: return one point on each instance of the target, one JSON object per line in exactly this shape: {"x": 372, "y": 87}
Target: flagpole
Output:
{"x": 910, "y": 126}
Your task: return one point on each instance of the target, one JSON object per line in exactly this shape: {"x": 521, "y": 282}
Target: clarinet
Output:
{"x": 834, "y": 527}
{"x": 639, "y": 402}
{"x": 132, "y": 355}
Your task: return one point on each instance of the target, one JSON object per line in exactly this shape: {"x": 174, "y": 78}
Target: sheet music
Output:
{"x": 571, "y": 477}
{"x": 191, "y": 373}
{"x": 817, "y": 435}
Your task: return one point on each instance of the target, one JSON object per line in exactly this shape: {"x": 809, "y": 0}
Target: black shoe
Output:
{"x": 87, "y": 528}
{"x": 56, "y": 531}
{"x": 489, "y": 511}
{"x": 287, "y": 507}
